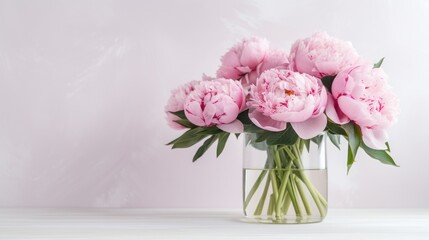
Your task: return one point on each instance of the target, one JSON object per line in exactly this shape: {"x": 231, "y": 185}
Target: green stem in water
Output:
{"x": 274, "y": 178}
{"x": 310, "y": 186}
{"x": 277, "y": 158}
{"x": 275, "y": 193}
{"x": 302, "y": 194}
{"x": 282, "y": 189}
{"x": 287, "y": 203}
{"x": 314, "y": 193}
{"x": 271, "y": 205}
{"x": 322, "y": 199}
{"x": 259, "y": 208}
{"x": 293, "y": 197}
{"x": 254, "y": 188}
{"x": 274, "y": 183}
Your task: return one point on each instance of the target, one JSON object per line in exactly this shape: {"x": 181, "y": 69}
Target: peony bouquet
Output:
{"x": 286, "y": 100}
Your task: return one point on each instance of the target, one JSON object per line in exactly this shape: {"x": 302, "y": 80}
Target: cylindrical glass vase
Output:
{"x": 285, "y": 183}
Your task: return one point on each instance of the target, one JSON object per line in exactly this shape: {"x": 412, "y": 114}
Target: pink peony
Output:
{"x": 216, "y": 102}
{"x": 247, "y": 59}
{"x": 176, "y": 103}
{"x": 275, "y": 58}
{"x": 322, "y": 55}
{"x": 281, "y": 96}
{"x": 362, "y": 94}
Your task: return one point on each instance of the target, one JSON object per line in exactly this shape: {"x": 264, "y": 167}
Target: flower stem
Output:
{"x": 302, "y": 194}
{"x": 254, "y": 188}
{"x": 287, "y": 203}
{"x": 259, "y": 208}
{"x": 322, "y": 199}
{"x": 293, "y": 197}
{"x": 271, "y": 205}
{"x": 282, "y": 188}
{"x": 314, "y": 193}
{"x": 274, "y": 185}
{"x": 285, "y": 183}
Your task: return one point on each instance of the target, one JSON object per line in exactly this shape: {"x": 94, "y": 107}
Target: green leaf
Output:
{"x": 247, "y": 139}
{"x": 206, "y": 145}
{"x": 244, "y": 117}
{"x": 188, "y": 138}
{"x": 237, "y": 135}
{"x": 327, "y": 82}
{"x": 380, "y": 155}
{"x": 194, "y": 131}
{"x": 211, "y": 130}
{"x": 317, "y": 140}
{"x": 350, "y": 159}
{"x": 188, "y": 141}
{"x": 335, "y": 129}
{"x": 260, "y": 137}
{"x": 186, "y": 123}
{"x": 306, "y": 144}
{"x": 185, "y": 135}
{"x": 251, "y": 128}
{"x": 173, "y": 141}
{"x": 250, "y": 139}
{"x": 180, "y": 114}
{"x": 286, "y": 137}
{"x": 354, "y": 136}
{"x": 223, "y": 137}
{"x": 388, "y": 147}
{"x": 378, "y": 65}
{"x": 335, "y": 139}
{"x": 193, "y": 136}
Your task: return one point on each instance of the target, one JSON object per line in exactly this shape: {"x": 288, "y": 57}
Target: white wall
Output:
{"x": 83, "y": 85}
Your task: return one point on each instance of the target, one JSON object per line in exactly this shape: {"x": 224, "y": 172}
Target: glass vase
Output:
{"x": 285, "y": 183}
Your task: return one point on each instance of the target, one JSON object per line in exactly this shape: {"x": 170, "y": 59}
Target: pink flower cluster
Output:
{"x": 216, "y": 102}
{"x": 279, "y": 88}
{"x": 282, "y": 96}
{"x": 246, "y": 60}
{"x": 322, "y": 55}
{"x": 176, "y": 103}
{"x": 361, "y": 94}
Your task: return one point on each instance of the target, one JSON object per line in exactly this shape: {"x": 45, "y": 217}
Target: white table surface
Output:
{"x": 124, "y": 224}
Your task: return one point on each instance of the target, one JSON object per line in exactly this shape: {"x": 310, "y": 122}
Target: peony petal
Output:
{"x": 237, "y": 94}
{"x": 231, "y": 59}
{"x": 334, "y": 113}
{"x": 254, "y": 51}
{"x": 229, "y": 63}
{"x": 265, "y": 122}
{"x": 194, "y": 113}
{"x": 353, "y": 109}
{"x": 300, "y": 116}
{"x": 310, "y": 128}
{"x": 251, "y": 78}
{"x": 233, "y": 127}
{"x": 351, "y": 85}
{"x": 340, "y": 82}
{"x": 302, "y": 63}
{"x": 208, "y": 113}
{"x": 228, "y": 72}
{"x": 375, "y": 139}
{"x": 328, "y": 68}
{"x": 322, "y": 103}
{"x": 230, "y": 110}
{"x": 245, "y": 69}
{"x": 276, "y": 58}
